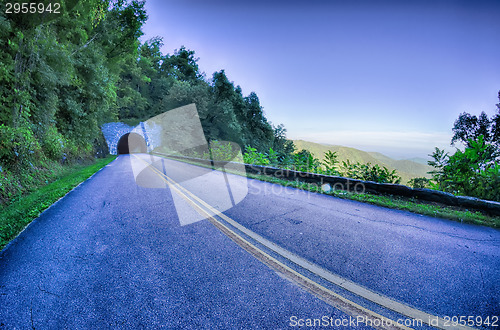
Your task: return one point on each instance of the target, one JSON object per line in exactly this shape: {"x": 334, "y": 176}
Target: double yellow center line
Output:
{"x": 221, "y": 221}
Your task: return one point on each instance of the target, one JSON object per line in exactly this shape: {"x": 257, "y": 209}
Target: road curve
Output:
{"x": 113, "y": 253}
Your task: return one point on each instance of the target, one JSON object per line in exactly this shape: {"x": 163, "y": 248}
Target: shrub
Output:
{"x": 419, "y": 183}
{"x": 221, "y": 151}
{"x": 18, "y": 147}
{"x": 273, "y": 157}
{"x": 253, "y": 157}
{"x": 472, "y": 172}
{"x": 304, "y": 161}
{"x": 369, "y": 172}
{"x": 53, "y": 143}
{"x": 330, "y": 163}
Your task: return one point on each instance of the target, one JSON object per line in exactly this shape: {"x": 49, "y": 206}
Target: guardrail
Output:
{"x": 337, "y": 182}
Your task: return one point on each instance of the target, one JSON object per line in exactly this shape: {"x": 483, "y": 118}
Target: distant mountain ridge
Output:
{"x": 406, "y": 168}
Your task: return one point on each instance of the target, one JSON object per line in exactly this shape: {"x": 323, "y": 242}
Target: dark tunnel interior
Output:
{"x": 131, "y": 143}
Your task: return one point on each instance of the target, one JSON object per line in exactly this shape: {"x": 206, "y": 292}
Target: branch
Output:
{"x": 86, "y": 44}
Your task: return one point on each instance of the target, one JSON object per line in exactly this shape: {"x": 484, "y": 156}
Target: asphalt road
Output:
{"x": 112, "y": 254}
{"x": 117, "y": 253}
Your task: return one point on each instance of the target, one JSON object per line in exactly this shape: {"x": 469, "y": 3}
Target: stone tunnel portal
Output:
{"x": 131, "y": 143}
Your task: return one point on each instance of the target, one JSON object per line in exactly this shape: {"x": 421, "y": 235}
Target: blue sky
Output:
{"x": 387, "y": 76}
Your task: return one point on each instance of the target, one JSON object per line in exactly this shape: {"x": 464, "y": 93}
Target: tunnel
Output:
{"x": 131, "y": 143}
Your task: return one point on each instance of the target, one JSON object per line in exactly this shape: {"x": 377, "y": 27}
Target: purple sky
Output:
{"x": 387, "y": 76}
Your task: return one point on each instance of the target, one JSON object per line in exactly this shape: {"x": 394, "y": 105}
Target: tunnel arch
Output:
{"x": 131, "y": 143}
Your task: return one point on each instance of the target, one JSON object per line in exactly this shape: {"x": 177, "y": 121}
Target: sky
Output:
{"x": 385, "y": 76}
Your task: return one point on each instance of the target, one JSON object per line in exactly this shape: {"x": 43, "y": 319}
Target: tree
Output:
{"x": 281, "y": 144}
{"x": 6, "y": 70}
{"x": 495, "y": 125}
{"x": 472, "y": 172}
{"x": 440, "y": 160}
{"x": 62, "y": 76}
{"x": 57, "y": 87}
{"x": 119, "y": 32}
{"x": 259, "y": 129}
{"x": 182, "y": 65}
{"x": 469, "y": 127}
{"x": 475, "y": 171}
{"x": 304, "y": 161}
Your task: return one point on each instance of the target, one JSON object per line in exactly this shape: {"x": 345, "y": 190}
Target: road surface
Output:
{"x": 116, "y": 253}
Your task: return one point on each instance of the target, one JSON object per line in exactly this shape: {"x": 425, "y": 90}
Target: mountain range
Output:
{"x": 406, "y": 168}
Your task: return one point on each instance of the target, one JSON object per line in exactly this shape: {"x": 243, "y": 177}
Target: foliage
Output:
{"x": 440, "y": 160}
{"x": 304, "y": 161}
{"x": 330, "y": 163}
{"x": 369, "y": 172}
{"x": 495, "y": 125}
{"x": 472, "y": 172}
{"x": 223, "y": 151}
{"x": 53, "y": 144}
{"x": 475, "y": 171}
{"x": 281, "y": 144}
{"x": 15, "y": 216}
{"x": 62, "y": 77}
{"x": 253, "y": 157}
{"x": 419, "y": 183}
{"x": 273, "y": 157}
{"x": 401, "y": 203}
{"x": 469, "y": 127}
{"x": 58, "y": 85}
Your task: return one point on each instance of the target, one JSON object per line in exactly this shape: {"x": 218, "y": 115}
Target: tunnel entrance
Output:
{"x": 131, "y": 143}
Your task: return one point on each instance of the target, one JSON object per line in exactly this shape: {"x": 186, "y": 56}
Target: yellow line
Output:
{"x": 350, "y": 286}
{"x": 346, "y": 305}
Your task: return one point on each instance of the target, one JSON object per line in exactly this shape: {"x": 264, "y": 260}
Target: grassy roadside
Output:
{"x": 15, "y": 216}
{"x": 389, "y": 201}
{"x": 396, "y": 202}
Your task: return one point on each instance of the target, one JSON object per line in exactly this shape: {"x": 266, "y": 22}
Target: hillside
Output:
{"x": 419, "y": 160}
{"x": 406, "y": 168}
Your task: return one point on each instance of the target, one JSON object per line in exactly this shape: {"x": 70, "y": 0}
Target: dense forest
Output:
{"x": 64, "y": 75}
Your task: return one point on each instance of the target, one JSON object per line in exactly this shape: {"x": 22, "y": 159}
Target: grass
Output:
{"x": 20, "y": 212}
{"x": 394, "y": 202}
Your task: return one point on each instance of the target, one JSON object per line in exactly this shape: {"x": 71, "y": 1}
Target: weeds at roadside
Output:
{"x": 21, "y": 211}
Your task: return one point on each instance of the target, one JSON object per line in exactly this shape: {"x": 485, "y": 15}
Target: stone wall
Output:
{"x": 113, "y": 132}
{"x": 337, "y": 182}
